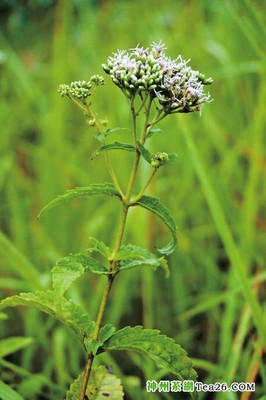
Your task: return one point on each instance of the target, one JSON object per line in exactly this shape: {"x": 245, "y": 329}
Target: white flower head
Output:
{"x": 176, "y": 86}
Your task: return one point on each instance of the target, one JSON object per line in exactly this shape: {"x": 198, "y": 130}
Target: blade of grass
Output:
{"x": 19, "y": 263}
{"x": 224, "y": 232}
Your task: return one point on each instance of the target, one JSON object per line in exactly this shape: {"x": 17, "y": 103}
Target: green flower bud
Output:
{"x": 155, "y": 164}
{"x": 92, "y": 122}
{"x": 63, "y": 90}
{"x": 159, "y": 159}
{"x": 104, "y": 122}
{"x": 97, "y": 79}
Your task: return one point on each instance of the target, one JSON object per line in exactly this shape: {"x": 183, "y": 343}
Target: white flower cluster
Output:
{"x": 80, "y": 89}
{"x": 176, "y": 85}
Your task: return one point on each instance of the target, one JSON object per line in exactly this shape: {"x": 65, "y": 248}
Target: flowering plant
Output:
{"x": 155, "y": 86}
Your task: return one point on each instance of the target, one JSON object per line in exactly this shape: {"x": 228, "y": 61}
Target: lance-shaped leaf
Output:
{"x": 69, "y": 268}
{"x": 70, "y": 314}
{"x": 99, "y": 247}
{"x": 145, "y": 153}
{"x": 101, "y": 136}
{"x": 153, "y": 131}
{"x": 13, "y": 344}
{"x": 160, "y": 210}
{"x": 102, "y": 385}
{"x": 7, "y": 393}
{"x": 131, "y": 256}
{"x": 114, "y": 146}
{"x": 151, "y": 343}
{"x": 97, "y": 189}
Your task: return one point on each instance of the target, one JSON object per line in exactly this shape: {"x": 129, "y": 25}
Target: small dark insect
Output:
{"x": 105, "y": 394}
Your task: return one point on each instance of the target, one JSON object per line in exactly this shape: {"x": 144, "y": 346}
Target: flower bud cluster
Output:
{"x": 80, "y": 89}
{"x": 134, "y": 72}
{"x": 159, "y": 159}
{"x": 176, "y": 85}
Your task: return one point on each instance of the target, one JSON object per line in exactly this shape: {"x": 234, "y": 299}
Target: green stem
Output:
{"x": 120, "y": 235}
{"x": 141, "y": 193}
{"x": 88, "y": 111}
{"x": 142, "y": 104}
{"x": 159, "y": 116}
{"x": 112, "y": 173}
{"x": 97, "y": 328}
{"x": 112, "y": 263}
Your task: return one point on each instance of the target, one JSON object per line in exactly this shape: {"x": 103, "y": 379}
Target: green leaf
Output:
{"x": 92, "y": 345}
{"x": 13, "y": 344}
{"x": 70, "y": 314}
{"x": 106, "y": 332}
{"x": 7, "y": 393}
{"x": 64, "y": 273}
{"x": 101, "y": 136}
{"x": 69, "y": 268}
{"x": 102, "y": 385}
{"x": 113, "y": 146}
{"x": 112, "y": 130}
{"x": 161, "y": 211}
{"x": 151, "y": 343}
{"x": 32, "y": 386}
{"x": 97, "y": 189}
{"x": 153, "y": 131}
{"x": 145, "y": 153}
{"x": 99, "y": 247}
{"x": 171, "y": 158}
{"x": 131, "y": 256}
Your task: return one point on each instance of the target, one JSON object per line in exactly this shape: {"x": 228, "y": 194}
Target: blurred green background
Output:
{"x": 213, "y": 304}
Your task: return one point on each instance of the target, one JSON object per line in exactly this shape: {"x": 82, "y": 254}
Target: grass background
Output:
{"x": 213, "y": 304}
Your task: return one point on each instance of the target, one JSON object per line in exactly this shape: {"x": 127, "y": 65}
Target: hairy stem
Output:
{"x": 97, "y": 328}
{"x": 112, "y": 263}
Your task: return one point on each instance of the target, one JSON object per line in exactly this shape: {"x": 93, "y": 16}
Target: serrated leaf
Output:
{"x": 106, "y": 332}
{"x": 7, "y": 393}
{"x": 70, "y": 314}
{"x": 13, "y": 344}
{"x": 145, "y": 153}
{"x": 69, "y": 268}
{"x": 151, "y": 343}
{"x": 97, "y": 189}
{"x": 114, "y": 146}
{"x": 161, "y": 211}
{"x": 102, "y": 385}
{"x": 92, "y": 345}
{"x": 64, "y": 273}
{"x": 131, "y": 256}
{"x": 99, "y": 247}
